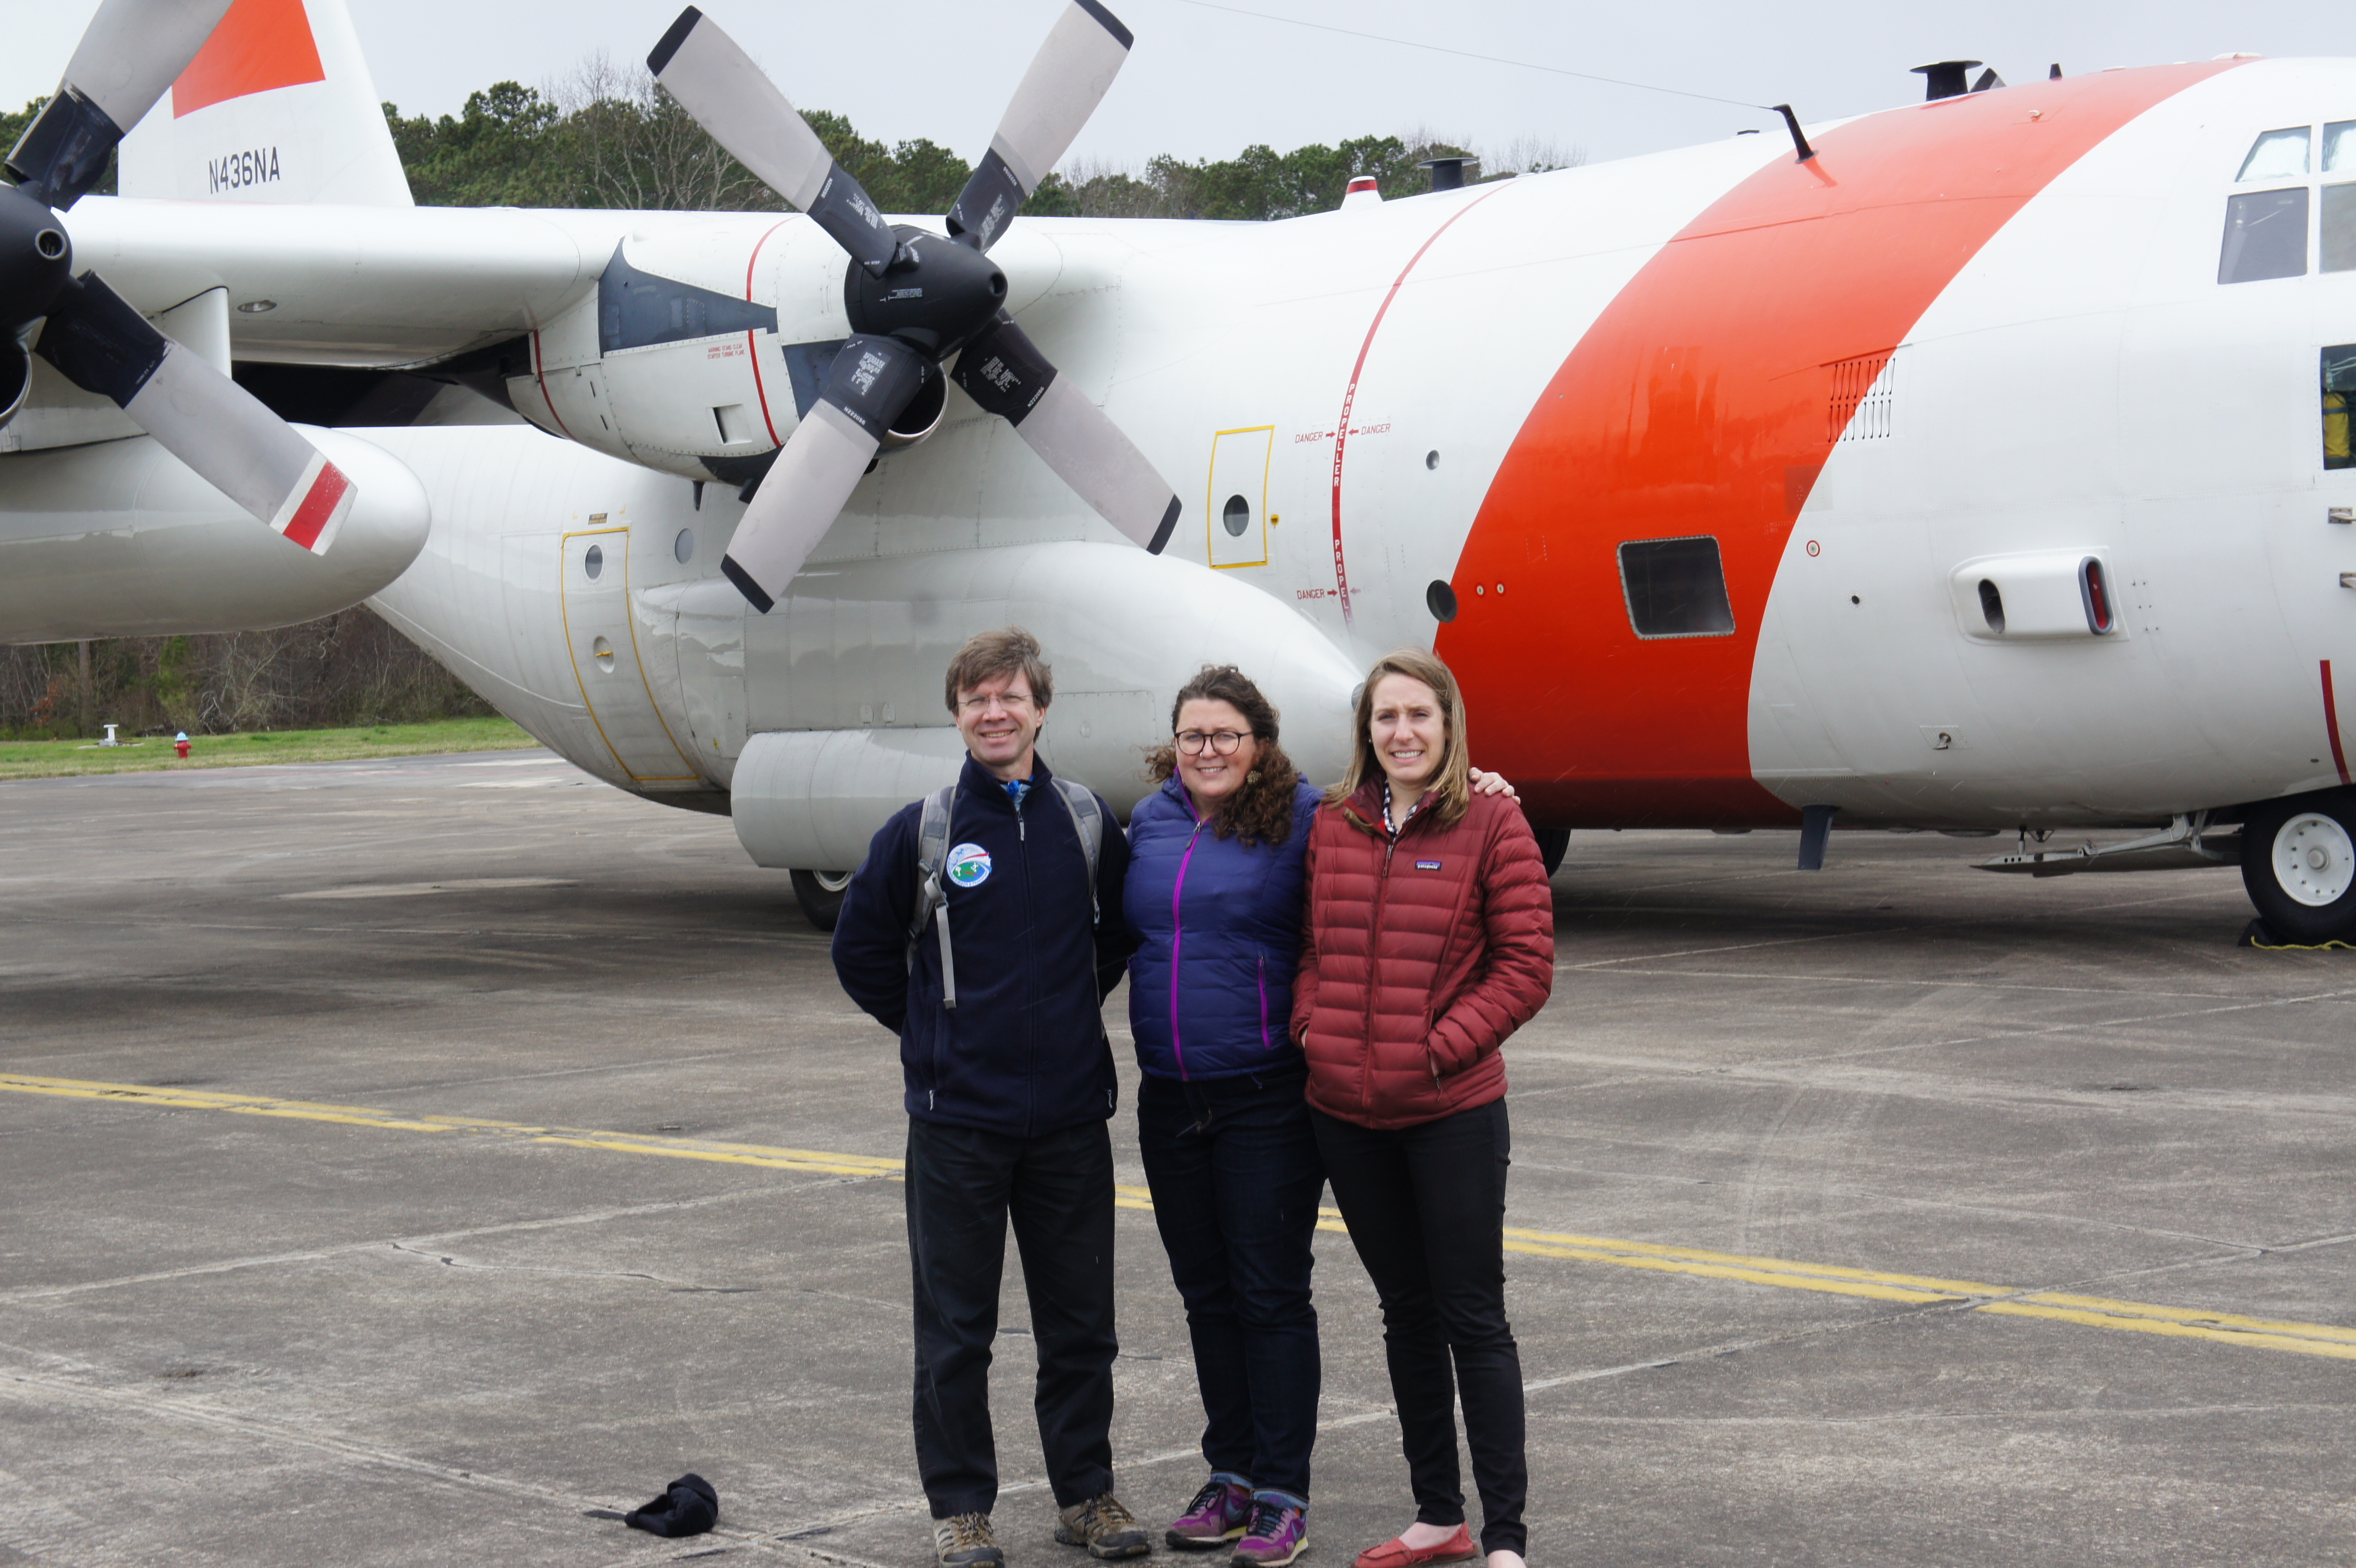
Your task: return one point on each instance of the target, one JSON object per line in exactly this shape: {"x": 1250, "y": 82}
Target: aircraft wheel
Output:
{"x": 819, "y": 892}
{"x": 2299, "y": 862}
{"x": 1553, "y": 844}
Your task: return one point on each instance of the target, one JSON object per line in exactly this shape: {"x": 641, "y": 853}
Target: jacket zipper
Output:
{"x": 1177, "y": 941}
{"x": 1373, "y": 971}
{"x": 1263, "y": 1005}
{"x": 1030, "y": 1046}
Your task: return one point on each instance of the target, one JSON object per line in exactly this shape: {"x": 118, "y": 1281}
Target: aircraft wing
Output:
{"x": 365, "y": 286}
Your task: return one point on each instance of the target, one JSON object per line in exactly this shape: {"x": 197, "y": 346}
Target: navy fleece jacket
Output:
{"x": 1025, "y": 1052}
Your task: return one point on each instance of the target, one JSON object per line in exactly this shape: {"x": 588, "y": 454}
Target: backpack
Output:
{"x": 932, "y": 853}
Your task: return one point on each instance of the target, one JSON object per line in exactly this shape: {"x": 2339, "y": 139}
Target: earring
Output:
{"x": 1253, "y": 776}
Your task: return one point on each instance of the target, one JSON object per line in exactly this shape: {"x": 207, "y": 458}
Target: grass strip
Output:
{"x": 154, "y": 753}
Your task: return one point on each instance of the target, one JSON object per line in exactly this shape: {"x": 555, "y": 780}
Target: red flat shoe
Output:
{"x": 1397, "y": 1553}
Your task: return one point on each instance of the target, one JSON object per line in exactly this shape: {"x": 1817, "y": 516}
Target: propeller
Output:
{"x": 916, "y": 299}
{"x": 132, "y": 52}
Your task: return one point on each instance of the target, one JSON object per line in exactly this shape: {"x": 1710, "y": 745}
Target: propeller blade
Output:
{"x": 870, "y": 383}
{"x": 132, "y": 50}
{"x": 1003, "y": 372}
{"x": 730, "y": 97}
{"x": 98, "y": 342}
{"x": 1067, "y": 78}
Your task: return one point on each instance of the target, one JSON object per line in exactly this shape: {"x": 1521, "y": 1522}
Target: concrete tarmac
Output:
{"x": 406, "y": 1162}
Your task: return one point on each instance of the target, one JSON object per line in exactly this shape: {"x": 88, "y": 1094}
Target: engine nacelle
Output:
{"x": 121, "y": 538}
{"x": 869, "y": 639}
{"x": 697, "y": 353}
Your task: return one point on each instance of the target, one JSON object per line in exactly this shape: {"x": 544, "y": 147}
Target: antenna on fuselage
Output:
{"x": 1447, "y": 173}
{"x": 1947, "y": 77}
{"x": 1799, "y": 141}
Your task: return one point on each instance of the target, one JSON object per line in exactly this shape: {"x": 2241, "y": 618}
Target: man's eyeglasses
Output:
{"x": 1012, "y": 702}
{"x": 1223, "y": 741}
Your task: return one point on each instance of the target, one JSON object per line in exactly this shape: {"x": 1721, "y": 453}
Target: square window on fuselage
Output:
{"x": 1675, "y": 587}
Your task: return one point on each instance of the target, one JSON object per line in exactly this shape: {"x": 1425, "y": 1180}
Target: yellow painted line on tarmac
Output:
{"x": 363, "y": 1116}
{"x": 2008, "y": 1301}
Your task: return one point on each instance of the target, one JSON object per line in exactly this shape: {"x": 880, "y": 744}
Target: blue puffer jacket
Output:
{"x": 1218, "y": 927}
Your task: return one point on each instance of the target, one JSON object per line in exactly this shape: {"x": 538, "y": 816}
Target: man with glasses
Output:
{"x": 1008, "y": 1084}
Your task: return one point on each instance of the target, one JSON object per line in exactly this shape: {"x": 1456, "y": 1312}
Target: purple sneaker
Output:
{"x": 1277, "y": 1533}
{"x": 1216, "y": 1516}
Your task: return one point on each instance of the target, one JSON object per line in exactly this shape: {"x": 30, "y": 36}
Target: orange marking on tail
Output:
{"x": 260, "y": 45}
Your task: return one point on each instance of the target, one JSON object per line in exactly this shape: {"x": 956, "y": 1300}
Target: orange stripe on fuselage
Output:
{"x": 258, "y": 45}
{"x": 1698, "y": 404}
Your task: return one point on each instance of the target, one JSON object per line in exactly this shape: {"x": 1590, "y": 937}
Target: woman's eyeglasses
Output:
{"x": 1223, "y": 741}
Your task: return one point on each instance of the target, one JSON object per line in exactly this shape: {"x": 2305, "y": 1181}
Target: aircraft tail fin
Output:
{"x": 278, "y": 106}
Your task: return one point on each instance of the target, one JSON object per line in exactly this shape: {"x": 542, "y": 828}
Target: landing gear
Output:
{"x": 2299, "y": 862}
{"x": 1553, "y": 844}
{"x": 819, "y": 892}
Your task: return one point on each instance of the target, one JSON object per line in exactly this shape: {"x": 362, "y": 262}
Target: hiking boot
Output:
{"x": 964, "y": 1540}
{"x": 1278, "y": 1531}
{"x": 1216, "y": 1516}
{"x": 1108, "y": 1530}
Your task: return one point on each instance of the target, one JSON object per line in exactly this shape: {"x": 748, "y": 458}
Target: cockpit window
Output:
{"x": 2265, "y": 236}
{"x": 2339, "y": 396}
{"x": 2337, "y": 229}
{"x": 2276, "y": 155}
{"x": 2339, "y": 146}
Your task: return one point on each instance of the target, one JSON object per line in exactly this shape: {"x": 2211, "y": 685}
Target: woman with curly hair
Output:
{"x": 1214, "y": 897}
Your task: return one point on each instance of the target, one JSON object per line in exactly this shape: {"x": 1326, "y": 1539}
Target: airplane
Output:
{"x": 1981, "y": 464}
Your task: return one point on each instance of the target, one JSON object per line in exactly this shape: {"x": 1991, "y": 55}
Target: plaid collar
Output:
{"x": 1394, "y": 829}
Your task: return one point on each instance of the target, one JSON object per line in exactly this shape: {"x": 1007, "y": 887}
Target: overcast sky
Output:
{"x": 1205, "y": 83}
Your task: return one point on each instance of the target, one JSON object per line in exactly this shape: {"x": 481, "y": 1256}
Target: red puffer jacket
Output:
{"x": 1418, "y": 958}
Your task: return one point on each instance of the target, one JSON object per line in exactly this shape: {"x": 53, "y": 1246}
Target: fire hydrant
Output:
{"x": 180, "y": 744}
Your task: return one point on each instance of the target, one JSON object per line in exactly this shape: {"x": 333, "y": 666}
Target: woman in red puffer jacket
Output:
{"x": 1430, "y": 938}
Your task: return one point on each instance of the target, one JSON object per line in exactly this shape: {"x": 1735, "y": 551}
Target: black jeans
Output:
{"x": 963, "y": 1186}
{"x": 1236, "y": 1178}
{"x": 1426, "y": 1208}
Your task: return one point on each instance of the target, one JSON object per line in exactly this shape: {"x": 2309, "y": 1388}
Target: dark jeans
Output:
{"x": 1426, "y": 1208}
{"x": 1235, "y": 1179}
{"x": 963, "y": 1186}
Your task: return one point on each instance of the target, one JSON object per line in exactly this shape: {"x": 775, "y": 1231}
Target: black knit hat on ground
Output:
{"x": 689, "y": 1506}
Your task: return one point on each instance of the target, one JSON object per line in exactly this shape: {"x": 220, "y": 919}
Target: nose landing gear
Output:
{"x": 2298, "y": 863}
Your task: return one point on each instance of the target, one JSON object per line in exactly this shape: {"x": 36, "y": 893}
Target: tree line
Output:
{"x": 608, "y": 138}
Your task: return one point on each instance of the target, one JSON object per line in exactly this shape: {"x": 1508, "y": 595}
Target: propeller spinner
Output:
{"x": 132, "y": 52}
{"x": 915, "y": 298}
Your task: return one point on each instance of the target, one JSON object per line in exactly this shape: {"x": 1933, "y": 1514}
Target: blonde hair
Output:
{"x": 1452, "y": 781}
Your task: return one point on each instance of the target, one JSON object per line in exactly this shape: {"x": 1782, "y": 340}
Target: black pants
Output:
{"x": 963, "y": 1186}
{"x": 1235, "y": 1179}
{"x": 1426, "y": 1208}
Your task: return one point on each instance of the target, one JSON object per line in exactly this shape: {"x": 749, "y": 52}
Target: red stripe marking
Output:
{"x": 2331, "y": 724}
{"x": 540, "y": 375}
{"x": 752, "y": 346}
{"x": 258, "y": 45}
{"x": 317, "y": 506}
{"x": 1695, "y": 405}
{"x": 1350, "y": 396}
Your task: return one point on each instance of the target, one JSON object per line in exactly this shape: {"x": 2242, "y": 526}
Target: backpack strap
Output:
{"x": 932, "y": 898}
{"x": 1087, "y": 819}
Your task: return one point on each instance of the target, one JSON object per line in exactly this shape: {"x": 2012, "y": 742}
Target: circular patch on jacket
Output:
{"x": 969, "y": 865}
